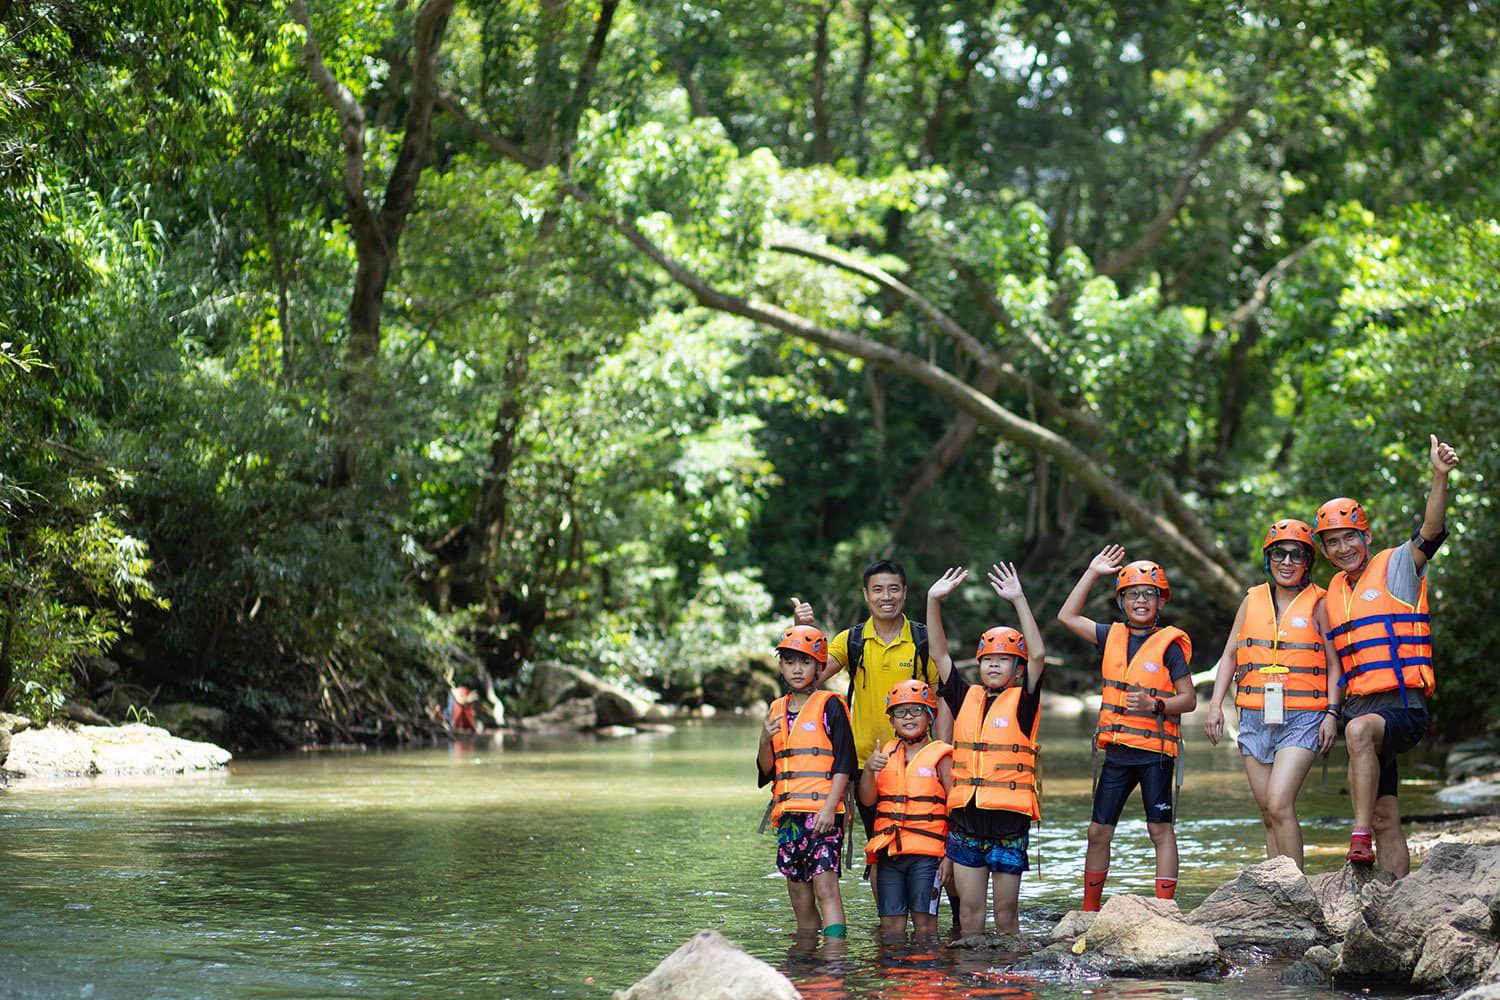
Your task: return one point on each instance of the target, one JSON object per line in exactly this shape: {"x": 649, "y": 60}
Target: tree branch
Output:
{"x": 588, "y": 71}
{"x": 1157, "y": 230}
{"x": 987, "y": 359}
{"x": 401, "y": 188}
{"x": 351, "y": 115}
{"x": 1169, "y": 541}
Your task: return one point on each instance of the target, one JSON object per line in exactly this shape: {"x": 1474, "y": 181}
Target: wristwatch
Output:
{"x": 1161, "y": 707}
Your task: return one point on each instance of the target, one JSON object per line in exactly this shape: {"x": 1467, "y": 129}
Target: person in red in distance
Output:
{"x": 1381, "y": 630}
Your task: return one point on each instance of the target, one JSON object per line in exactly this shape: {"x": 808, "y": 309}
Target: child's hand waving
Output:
{"x": 1006, "y": 582}
{"x": 1108, "y": 561}
{"x": 946, "y": 584}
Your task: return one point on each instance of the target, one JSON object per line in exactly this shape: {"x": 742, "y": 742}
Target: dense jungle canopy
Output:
{"x": 350, "y": 346}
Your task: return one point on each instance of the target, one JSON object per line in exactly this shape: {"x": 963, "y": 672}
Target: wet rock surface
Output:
{"x": 1270, "y": 907}
{"x": 709, "y": 967}
{"x": 1135, "y": 936}
{"x": 81, "y": 751}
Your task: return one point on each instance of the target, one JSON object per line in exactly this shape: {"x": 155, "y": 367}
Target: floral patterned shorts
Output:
{"x": 801, "y": 854}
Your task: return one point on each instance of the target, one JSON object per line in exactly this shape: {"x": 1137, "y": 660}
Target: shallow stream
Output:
{"x": 535, "y": 867}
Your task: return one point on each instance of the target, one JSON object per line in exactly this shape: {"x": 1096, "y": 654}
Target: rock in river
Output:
{"x": 1270, "y": 907}
{"x": 708, "y": 967}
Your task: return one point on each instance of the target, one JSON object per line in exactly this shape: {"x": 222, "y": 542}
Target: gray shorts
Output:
{"x": 1261, "y": 741}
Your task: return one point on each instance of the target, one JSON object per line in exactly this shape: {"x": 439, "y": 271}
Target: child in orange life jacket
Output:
{"x": 907, "y": 782}
{"x": 1287, "y": 679}
{"x": 1147, "y": 688}
{"x": 993, "y": 800}
{"x": 807, "y": 755}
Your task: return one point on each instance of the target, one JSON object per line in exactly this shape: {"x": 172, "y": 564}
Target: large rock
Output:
{"x": 572, "y": 715}
{"x": 1270, "y": 907}
{"x": 1475, "y": 792}
{"x": 192, "y": 721}
{"x": 748, "y": 684}
{"x": 1073, "y": 925}
{"x": 50, "y": 753}
{"x": 90, "y": 750}
{"x": 1457, "y": 952}
{"x": 1338, "y": 893}
{"x": 554, "y": 684}
{"x": 1423, "y": 921}
{"x": 1137, "y": 936}
{"x": 4, "y": 746}
{"x": 142, "y": 749}
{"x": 708, "y": 967}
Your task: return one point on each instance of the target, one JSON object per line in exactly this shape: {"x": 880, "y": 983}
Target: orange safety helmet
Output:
{"x": 911, "y": 692}
{"x": 1340, "y": 512}
{"x": 1144, "y": 572}
{"x": 1290, "y": 530}
{"x": 1002, "y": 640}
{"x": 805, "y": 639}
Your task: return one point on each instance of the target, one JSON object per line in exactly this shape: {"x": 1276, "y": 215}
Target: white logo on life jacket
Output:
{"x": 1298, "y": 623}
{"x": 808, "y": 727}
{"x": 1151, "y": 668}
{"x": 1369, "y": 595}
{"x": 1001, "y": 722}
{"x": 924, "y": 772}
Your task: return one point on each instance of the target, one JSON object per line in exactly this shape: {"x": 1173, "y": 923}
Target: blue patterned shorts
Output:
{"x": 801, "y": 854}
{"x": 1006, "y": 855}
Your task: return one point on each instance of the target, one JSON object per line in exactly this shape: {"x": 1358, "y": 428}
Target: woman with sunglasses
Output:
{"x": 1287, "y": 683}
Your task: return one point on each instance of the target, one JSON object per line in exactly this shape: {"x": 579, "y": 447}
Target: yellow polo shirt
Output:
{"x": 881, "y": 666}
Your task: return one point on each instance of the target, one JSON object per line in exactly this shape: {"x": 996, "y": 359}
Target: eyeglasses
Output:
{"x": 1140, "y": 593}
{"x": 908, "y": 712}
{"x": 1296, "y": 555}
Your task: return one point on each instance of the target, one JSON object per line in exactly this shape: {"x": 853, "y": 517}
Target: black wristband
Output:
{"x": 1161, "y": 707}
{"x": 1429, "y": 548}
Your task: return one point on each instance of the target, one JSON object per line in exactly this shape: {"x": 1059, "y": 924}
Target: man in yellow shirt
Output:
{"x": 888, "y": 647}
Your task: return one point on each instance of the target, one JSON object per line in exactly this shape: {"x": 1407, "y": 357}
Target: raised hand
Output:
{"x": 802, "y": 612}
{"x": 772, "y": 723}
{"x": 1108, "y": 561}
{"x": 1444, "y": 456}
{"x": 946, "y": 584}
{"x": 1006, "y": 582}
{"x": 876, "y": 762}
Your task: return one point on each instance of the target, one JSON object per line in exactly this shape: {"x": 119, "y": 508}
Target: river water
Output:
{"x": 535, "y": 867}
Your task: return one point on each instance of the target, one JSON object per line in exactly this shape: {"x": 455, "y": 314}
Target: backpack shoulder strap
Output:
{"x": 855, "y": 651}
{"x": 919, "y": 636}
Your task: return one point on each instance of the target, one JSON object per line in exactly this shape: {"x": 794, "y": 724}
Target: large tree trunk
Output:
{"x": 376, "y": 231}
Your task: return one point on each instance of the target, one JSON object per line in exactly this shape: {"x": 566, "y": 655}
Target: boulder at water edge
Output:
{"x": 708, "y": 967}
{"x": 55, "y": 752}
{"x": 1432, "y": 929}
{"x": 1270, "y": 907}
{"x": 1135, "y": 936}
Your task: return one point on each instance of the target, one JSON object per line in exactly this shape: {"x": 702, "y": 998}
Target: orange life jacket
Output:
{"x": 1383, "y": 643}
{"x": 802, "y": 758}
{"x": 911, "y": 806}
{"x": 1146, "y": 670}
{"x": 994, "y": 762}
{"x": 1288, "y": 652}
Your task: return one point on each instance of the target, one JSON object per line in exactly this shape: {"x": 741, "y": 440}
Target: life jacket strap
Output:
{"x": 1020, "y": 748}
{"x": 1277, "y": 644}
{"x": 803, "y": 752}
{"x": 1405, "y": 618}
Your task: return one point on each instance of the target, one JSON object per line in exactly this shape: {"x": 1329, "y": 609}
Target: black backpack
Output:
{"x": 856, "y": 651}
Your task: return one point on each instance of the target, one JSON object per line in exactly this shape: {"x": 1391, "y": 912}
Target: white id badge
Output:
{"x": 1275, "y": 705}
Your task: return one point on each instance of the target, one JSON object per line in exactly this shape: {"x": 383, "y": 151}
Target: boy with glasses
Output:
{"x": 1147, "y": 689}
{"x": 1287, "y": 683}
{"x": 906, "y": 782}
{"x": 1378, "y": 622}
